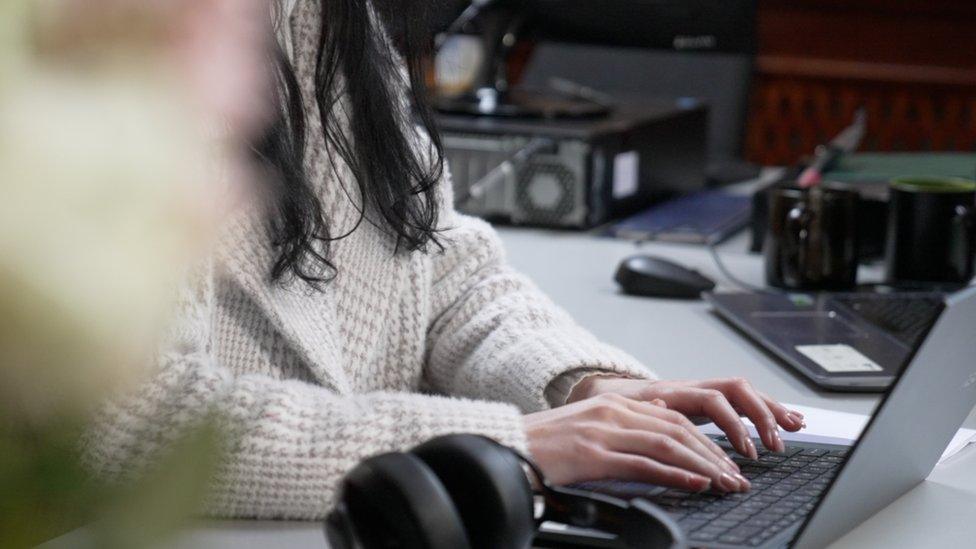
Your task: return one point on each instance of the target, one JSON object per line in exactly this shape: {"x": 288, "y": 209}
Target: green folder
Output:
{"x": 874, "y": 167}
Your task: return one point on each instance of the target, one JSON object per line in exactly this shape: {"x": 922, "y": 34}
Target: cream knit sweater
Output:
{"x": 399, "y": 348}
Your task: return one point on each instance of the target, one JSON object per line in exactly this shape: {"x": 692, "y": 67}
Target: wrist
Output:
{"x": 588, "y": 387}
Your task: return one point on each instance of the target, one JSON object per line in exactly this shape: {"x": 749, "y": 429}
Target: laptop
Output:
{"x": 838, "y": 341}
{"x": 811, "y": 494}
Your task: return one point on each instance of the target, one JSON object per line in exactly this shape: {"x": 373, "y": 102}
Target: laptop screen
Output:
{"x": 909, "y": 429}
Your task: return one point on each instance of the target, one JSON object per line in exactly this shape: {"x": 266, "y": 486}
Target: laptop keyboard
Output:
{"x": 785, "y": 488}
{"x": 907, "y": 317}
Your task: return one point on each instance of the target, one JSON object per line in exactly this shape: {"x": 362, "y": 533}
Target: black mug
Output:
{"x": 931, "y": 232}
{"x": 811, "y": 241}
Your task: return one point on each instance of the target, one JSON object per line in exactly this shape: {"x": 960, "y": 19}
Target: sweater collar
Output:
{"x": 245, "y": 255}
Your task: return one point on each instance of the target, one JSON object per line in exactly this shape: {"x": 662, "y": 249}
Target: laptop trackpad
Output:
{"x": 806, "y": 326}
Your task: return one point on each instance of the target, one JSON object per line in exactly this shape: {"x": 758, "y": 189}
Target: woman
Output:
{"x": 356, "y": 313}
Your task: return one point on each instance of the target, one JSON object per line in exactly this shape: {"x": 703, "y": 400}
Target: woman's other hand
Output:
{"x": 614, "y": 436}
{"x": 723, "y": 401}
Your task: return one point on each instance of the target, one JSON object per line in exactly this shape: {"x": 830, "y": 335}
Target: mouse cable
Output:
{"x": 712, "y": 245}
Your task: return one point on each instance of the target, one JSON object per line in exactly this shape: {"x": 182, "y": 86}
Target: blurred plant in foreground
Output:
{"x": 108, "y": 192}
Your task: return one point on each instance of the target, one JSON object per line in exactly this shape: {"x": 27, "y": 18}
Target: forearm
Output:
{"x": 291, "y": 467}
{"x": 496, "y": 336}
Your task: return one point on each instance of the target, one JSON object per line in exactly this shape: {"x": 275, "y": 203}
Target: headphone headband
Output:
{"x": 475, "y": 493}
{"x": 639, "y": 523}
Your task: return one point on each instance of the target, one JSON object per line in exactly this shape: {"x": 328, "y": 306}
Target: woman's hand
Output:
{"x": 613, "y": 436}
{"x": 720, "y": 400}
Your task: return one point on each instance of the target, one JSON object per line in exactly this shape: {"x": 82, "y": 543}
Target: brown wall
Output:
{"x": 912, "y": 63}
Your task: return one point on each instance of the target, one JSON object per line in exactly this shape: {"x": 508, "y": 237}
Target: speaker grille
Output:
{"x": 546, "y": 193}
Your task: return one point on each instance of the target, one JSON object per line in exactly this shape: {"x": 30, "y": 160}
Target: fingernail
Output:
{"x": 795, "y": 418}
{"x": 797, "y": 414}
{"x": 699, "y": 483}
{"x": 772, "y": 435}
{"x": 751, "y": 452}
{"x": 744, "y": 482}
{"x": 729, "y": 483}
{"x": 732, "y": 465}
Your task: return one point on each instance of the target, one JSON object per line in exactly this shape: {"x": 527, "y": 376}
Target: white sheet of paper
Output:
{"x": 829, "y": 426}
{"x": 839, "y": 358}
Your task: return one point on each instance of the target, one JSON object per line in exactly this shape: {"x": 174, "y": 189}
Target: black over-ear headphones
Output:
{"x": 469, "y": 492}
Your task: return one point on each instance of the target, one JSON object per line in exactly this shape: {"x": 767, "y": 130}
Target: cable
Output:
{"x": 507, "y": 168}
{"x": 712, "y": 248}
{"x": 579, "y": 91}
{"x": 472, "y": 11}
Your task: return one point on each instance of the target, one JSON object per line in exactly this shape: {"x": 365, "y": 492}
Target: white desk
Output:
{"x": 678, "y": 339}
{"x": 675, "y": 338}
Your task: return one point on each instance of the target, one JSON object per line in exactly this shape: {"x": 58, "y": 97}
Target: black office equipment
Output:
{"x": 699, "y": 49}
{"x": 650, "y": 276}
{"x": 811, "y": 494}
{"x": 785, "y": 488}
{"x": 594, "y": 169}
{"x": 906, "y": 317}
{"x": 469, "y": 492}
{"x": 617, "y": 132}
{"x": 838, "y": 341}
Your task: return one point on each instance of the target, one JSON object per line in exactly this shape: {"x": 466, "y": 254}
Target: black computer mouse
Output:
{"x": 651, "y": 276}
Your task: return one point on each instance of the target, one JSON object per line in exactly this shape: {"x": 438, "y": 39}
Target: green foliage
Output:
{"x": 160, "y": 502}
{"x": 45, "y": 491}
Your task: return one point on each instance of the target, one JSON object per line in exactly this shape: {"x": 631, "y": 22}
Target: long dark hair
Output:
{"x": 396, "y": 180}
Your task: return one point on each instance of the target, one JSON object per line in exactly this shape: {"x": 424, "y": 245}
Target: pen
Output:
{"x": 846, "y": 141}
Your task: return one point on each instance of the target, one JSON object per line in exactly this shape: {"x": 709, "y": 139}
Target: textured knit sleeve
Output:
{"x": 496, "y": 336}
{"x": 287, "y": 443}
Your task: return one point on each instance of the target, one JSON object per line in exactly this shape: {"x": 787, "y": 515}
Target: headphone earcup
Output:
{"x": 396, "y": 500}
{"x": 488, "y": 486}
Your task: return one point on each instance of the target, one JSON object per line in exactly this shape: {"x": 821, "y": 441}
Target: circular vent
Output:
{"x": 545, "y": 193}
